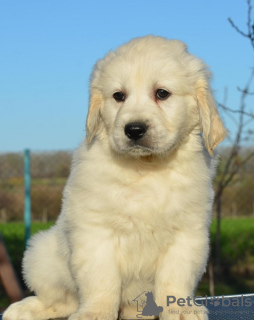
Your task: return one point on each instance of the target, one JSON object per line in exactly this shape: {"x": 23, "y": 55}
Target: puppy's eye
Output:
{"x": 162, "y": 94}
{"x": 119, "y": 96}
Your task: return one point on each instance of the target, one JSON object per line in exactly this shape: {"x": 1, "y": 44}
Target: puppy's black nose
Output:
{"x": 135, "y": 130}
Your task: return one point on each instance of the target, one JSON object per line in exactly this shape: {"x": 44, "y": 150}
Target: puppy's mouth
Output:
{"x": 138, "y": 141}
{"x": 138, "y": 149}
{"x": 144, "y": 147}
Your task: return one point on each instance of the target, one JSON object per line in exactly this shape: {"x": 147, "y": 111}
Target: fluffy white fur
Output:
{"x": 135, "y": 217}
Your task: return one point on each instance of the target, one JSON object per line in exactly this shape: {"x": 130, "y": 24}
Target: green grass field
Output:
{"x": 237, "y": 254}
{"x": 237, "y": 237}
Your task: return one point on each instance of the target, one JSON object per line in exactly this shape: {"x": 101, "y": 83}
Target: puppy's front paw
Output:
{"x": 22, "y": 310}
{"x": 91, "y": 316}
{"x": 185, "y": 313}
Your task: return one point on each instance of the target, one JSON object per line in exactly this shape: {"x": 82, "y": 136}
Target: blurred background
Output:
{"x": 48, "y": 49}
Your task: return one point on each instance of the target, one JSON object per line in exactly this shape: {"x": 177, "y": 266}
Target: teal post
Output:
{"x": 27, "y": 200}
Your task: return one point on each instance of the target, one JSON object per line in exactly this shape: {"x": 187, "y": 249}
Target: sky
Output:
{"x": 48, "y": 49}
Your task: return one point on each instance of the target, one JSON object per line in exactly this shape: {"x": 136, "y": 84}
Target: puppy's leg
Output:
{"x": 132, "y": 304}
{"x": 178, "y": 273}
{"x": 129, "y": 312}
{"x": 33, "y": 308}
{"x": 46, "y": 273}
{"x": 94, "y": 267}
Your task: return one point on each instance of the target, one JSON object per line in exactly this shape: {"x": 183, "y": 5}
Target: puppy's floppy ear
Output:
{"x": 212, "y": 126}
{"x": 94, "y": 115}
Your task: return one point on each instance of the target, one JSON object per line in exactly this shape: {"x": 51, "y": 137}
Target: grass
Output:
{"x": 237, "y": 253}
{"x": 237, "y": 239}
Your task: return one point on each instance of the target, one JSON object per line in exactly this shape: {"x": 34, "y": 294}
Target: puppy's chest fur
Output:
{"x": 149, "y": 199}
{"x": 141, "y": 227}
{"x": 149, "y": 208}
{"x": 142, "y": 208}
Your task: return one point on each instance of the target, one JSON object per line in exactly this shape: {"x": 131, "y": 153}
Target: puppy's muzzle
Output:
{"x": 135, "y": 130}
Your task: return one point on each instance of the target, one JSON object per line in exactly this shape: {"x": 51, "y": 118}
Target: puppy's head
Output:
{"x": 148, "y": 96}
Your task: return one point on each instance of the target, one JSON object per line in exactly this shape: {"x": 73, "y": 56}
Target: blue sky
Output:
{"x": 48, "y": 49}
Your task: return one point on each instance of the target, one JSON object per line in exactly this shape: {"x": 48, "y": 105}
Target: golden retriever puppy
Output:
{"x": 137, "y": 206}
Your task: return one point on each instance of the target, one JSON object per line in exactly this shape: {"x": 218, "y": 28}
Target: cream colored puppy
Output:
{"x": 137, "y": 206}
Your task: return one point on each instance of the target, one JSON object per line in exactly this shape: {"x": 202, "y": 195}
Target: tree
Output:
{"x": 236, "y": 157}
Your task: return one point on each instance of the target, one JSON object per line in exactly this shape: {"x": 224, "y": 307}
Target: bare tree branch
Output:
{"x": 251, "y": 115}
{"x": 244, "y": 90}
{"x": 250, "y": 25}
{"x": 237, "y": 29}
